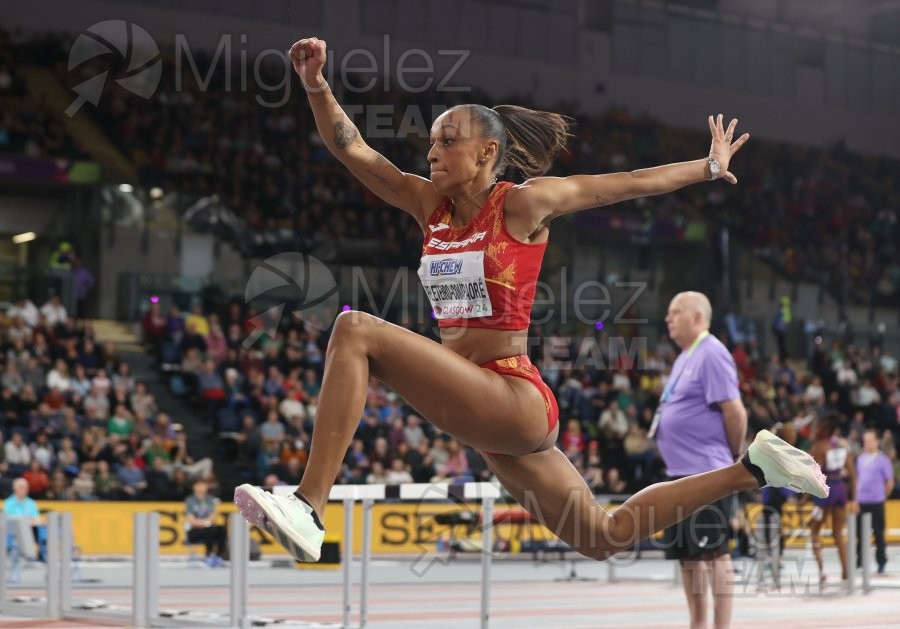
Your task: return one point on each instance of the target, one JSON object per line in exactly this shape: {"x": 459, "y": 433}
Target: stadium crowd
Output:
{"x": 77, "y": 424}
{"x": 819, "y": 214}
{"x": 263, "y": 400}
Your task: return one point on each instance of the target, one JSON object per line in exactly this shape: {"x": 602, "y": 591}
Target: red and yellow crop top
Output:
{"x": 479, "y": 276}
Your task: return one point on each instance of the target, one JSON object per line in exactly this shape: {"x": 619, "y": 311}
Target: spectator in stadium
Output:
{"x": 639, "y": 451}
{"x": 153, "y": 324}
{"x": 181, "y": 484}
{"x": 42, "y": 451}
{"x": 832, "y": 452}
{"x": 421, "y": 462}
{"x": 67, "y": 456}
{"x": 377, "y": 475}
{"x": 413, "y": 432}
{"x": 211, "y": 387}
{"x": 142, "y": 402}
{"x": 54, "y": 312}
{"x": 131, "y": 478}
{"x": 58, "y": 378}
{"x": 216, "y": 343}
{"x": 84, "y": 282}
{"x": 197, "y": 321}
{"x": 272, "y": 429}
{"x": 200, "y": 524}
{"x": 593, "y": 471}
{"x": 182, "y": 459}
{"x": 700, "y": 427}
{"x": 175, "y": 325}
{"x": 613, "y": 423}
{"x": 83, "y": 485}
{"x": 398, "y": 474}
{"x": 159, "y": 485}
{"x": 122, "y": 378}
{"x": 12, "y": 380}
{"x": 61, "y": 258}
{"x": 89, "y": 358}
{"x": 157, "y": 450}
{"x": 25, "y": 310}
{"x": 38, "y": 480}
{"x": 80, "y": 383}
{"x": 60, "y": 488}
{"x": 875, "y": 483}
{"x": 572, "y": 440}
{"x": 121, "y": 422}
{"x": 17, "y": 454}
{"x": 19, "y": 505}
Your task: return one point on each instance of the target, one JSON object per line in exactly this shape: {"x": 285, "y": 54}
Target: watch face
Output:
{"x": 713, "y": 167}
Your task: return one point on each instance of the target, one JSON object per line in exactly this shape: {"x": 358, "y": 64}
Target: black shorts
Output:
{"x": 704, "y": 535}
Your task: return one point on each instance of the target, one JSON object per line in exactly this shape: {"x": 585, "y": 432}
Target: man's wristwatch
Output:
{"x": 713, "y": 168}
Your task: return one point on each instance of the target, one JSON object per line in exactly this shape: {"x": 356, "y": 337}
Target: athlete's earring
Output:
{"x": 481, "y": 161}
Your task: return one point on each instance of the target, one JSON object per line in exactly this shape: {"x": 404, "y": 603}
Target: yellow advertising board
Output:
{"x": 106, "y": 528}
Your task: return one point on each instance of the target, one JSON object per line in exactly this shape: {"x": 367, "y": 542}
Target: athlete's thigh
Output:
{"x": 548, "y": 486}
{"x": 479, "y": 407}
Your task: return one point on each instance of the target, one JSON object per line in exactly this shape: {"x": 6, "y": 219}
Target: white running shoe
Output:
{"x": 287, "y": 518}
{"x": 783, "y": 465}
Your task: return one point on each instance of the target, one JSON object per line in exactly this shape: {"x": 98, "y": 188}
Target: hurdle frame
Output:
{"x": 144, "y": 610}
{"x": 57, "y": 604}
{"x": 349, "y": 495}
{"x": 866, "y": 535}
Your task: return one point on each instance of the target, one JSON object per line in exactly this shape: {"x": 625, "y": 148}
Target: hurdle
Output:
{"x": 866, "y": 535}
{"x": 349, "y": 495}
{"x": 851, "y": 553}
{"x": 144, "y": 612}
{"x": 59, "y": 567}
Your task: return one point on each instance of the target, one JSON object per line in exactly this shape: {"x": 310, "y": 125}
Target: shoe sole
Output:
{"x": 805, "y": 474}
{"x": 260, "y": 514}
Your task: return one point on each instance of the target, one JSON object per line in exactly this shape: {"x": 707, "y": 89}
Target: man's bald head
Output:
{"x": 690, "y": 314}
{"x": 697, "y": 302}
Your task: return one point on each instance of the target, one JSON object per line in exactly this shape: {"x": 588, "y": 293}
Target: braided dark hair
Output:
{"x": 528, "y": 140}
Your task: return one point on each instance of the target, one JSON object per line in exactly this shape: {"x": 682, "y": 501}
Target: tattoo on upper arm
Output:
{"x": 381, "y": 162}
{"x": 380, "y": 179}
{"x": 344, "y": 134}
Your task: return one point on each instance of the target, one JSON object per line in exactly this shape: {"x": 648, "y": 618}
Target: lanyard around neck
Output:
{"x": 696, "y": 342}
{"x": 670, "y": 385}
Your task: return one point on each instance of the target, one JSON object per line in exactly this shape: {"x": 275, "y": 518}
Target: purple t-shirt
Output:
{"x": 691, "y": 434}
{"x": 873, "y": 471}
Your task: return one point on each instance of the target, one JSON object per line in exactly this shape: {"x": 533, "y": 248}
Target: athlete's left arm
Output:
{"x": 545, "y": 198}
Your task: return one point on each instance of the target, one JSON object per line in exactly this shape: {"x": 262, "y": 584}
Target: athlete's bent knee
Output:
{"x": 351, "y": 328}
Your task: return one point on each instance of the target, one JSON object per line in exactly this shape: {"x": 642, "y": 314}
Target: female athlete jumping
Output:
{"x": 484, "y": 240}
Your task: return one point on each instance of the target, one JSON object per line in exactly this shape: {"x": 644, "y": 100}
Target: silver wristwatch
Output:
{"x": 713, "y": 168}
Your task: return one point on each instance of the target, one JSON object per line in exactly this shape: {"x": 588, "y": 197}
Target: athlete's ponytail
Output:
{"x": 528, "y": 140}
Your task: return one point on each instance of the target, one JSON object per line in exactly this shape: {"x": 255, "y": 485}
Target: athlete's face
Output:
{"x": 458, "y": 155}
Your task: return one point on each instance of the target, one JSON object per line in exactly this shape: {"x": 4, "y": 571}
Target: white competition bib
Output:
{"x": 835, "y": 459}
{"x": 455, "y": 285}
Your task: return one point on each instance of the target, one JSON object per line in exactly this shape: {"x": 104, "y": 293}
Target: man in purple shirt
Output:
{"x": 874, "y": 483}
{"x": 700, "y": 426}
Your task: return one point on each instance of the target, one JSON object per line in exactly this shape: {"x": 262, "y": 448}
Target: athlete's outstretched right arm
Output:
{"x": 411, "y": 193}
